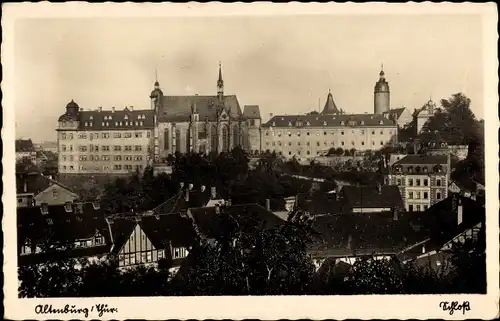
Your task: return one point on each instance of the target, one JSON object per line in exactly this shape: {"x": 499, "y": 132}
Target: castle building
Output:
{"x": 308, "y": 136}
{"x": 423, "y": 114}
{"x": 121, "y": 141}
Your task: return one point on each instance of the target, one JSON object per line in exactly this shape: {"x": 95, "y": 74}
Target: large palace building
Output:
{"x": 307, "y": 136}
{"x": 121, "y": 141}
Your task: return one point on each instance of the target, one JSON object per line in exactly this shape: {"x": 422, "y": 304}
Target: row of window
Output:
{"x": 117, "y": 123}
{"x": 104, "y": 148}
{"x": 106, "y": 158}
{"x": 298, "y": 153}
{"x": 325, "y": 123}
{"x": 418, "y": 182}
{"x": 417, "y": 207}
{"x": 140, "y": 116}
{"x": 418, "y": 169}
{"x": 342, "y": 143}
{"x": 69, "y": 136}
{"x": 362, "y": 132}
{"x": 117, "y": 167}
{"x": 417, "y": 195}
{"x": 139, "y": 257}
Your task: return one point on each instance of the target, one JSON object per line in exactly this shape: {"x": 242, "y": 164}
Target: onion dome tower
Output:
{"x": 330, "y": 107}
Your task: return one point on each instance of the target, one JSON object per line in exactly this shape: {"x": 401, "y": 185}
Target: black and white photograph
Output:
{"x": 171, "y": 154}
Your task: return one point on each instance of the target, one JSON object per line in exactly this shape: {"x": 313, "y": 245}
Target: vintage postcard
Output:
{"x": 250, "y": 161}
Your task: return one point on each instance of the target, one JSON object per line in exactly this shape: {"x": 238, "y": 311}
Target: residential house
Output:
{"x": 25, "y": 149}
{"x": 150, "y": 238}
{"x": 320, "y": 203}
{"x": 33, "y": 188}
{"x": 456, "y": 219}
{"x": 422, "y": 179}
{"x": 51, "y": 232}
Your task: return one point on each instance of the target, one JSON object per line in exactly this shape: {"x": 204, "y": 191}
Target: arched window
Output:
{"x": 166, "y": 138}
{"x": 214, "y": 140}
{"x": 225, "y": 138}
{"x": 236, "y": 136}
{"x": 178, "y": 140}
{"x": 410, "y": 169}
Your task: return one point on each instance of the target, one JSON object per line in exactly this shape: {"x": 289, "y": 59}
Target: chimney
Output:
{"x": 349, "y": 242}
{"x": 181, "y": 184}
{"x": 379, "y": 189}
{"x": 423, "y": 248}
{"x": 99, "y": 109}
{"x": 395, "y": 215}
{"x": 268, "y": 204}
{"x": 187, "y": 195}
{"x": 25, "y": 185}
{"x": 113, "y": 109}
{"x": 213, "y": 192}
{"x": 203, "y": 187}
{"x": 460, "y": 215}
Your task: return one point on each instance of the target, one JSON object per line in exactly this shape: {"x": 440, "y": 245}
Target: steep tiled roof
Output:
{"x": 178, "y": 203}
{"x": 35, "y": 184}
{"x": 24, "y": 145}
{"x": 395, "y": 112}
{"x": 64, "y": 227}
{"x": 211, "y": 223}
{"x": 251, "y": 111}
{"x": 366, "y": 234}
{"x": 366, "y": 120}
{"x": 119, "y": 119}
{"x": 320, "y": 203}
{"x": 178, "y": 108}
{"x": 369, "y": 196}
{"x": 422, "y": 159}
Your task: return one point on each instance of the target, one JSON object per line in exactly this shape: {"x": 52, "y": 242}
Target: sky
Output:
{"x": 286, "y": 64}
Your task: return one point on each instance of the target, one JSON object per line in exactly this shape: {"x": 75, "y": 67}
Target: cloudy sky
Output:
{"x": 283, "y": 64}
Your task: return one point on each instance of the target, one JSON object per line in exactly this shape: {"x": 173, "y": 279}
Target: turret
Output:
{"x": 330, "y": 107}
{"x": 220, "y": 85}
{"x": 382, "y": 94}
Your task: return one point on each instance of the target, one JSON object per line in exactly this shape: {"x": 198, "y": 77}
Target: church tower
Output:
{"x": 156, "y": 95}
{"x": 382, "y": 95}
{"x": 220, "y": 85}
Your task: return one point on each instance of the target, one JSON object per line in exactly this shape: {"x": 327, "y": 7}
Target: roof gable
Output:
{"x": 178, "y": 108}
{"x": 358, "y": 120}
{"x": 251, "y": 111}
{"x": 125, "y": 119}
{"x": 386, "y": 196}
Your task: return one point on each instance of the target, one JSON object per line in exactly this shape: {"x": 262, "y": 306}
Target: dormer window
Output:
{"x": 102, "y": 124}
{"x": 438, "y": 168}
{"x": 308, "y": 124}
{"x": 126, "y": 117}
{"x": 289, "y": 124}
{"x": 126, "y": 123}
{"x": 410, "y": 169}
{"x": 91, "y": 117}
{"x": 91, "y": 124}
{"x": 424, "y": 169}
{"x": 105, "y": 117}
{"x": 68, "y": 207}
{"x": 121, "y": 124}
{"x": 137, "y": 123}
{"x": 325, "y": 123}
{"x": 342, "y": 123}
{"x": 141, "y": 123}
{"x": 86, "y": 124}
{"x": 362, "y": 122}
{"x": 110, "y": 117}
{"x": 44, "y": 208}
{"x": 417, "y": 169}
{"x": 274, "y": 124}
{"x": 107, "y": 124}
{"x": 381, "y": 122}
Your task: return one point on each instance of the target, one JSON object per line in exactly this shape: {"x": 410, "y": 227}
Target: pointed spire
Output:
{"x": 382, "y": 73}
{"x": 220, "y": 81}
{"x": 330, "y": 107}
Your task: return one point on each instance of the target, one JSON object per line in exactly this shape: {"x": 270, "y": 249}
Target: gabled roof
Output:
{"x": 178, "y": 108}
{"x": 214, "y": 221}
{"x": 397, "y": 112}
{"x": 417, "y": 159}
{"x": 24, "y": 145}
{"x": 65, "y": 227}
{"x": 251, "y": 111}
{"x": 178, "y": 203}
{"x": 370, "y": 197}
{"x": 161, "y": 229}
{"x": 36, "y": 184}
{"x": 366, "y": 233}
{"x": 358, "y": 120}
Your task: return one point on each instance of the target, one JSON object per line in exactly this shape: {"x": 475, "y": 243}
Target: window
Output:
{"x": 417, "y": 181}
{"x": 418, "y": 208}
{"x": 117, "y": 148}
{"x": 342, "y": 143}
{"x": 128, "y": 148}
{"x": 138, "y": 148}
{"x": 410, "y": 182}
{"x": 289, "y": 134}
{"x": 418, "y": 195}
{"x": 127, "y": 135}
{"x": 438, "y": 195}
{"x": 438, "y": 182}
{"x": 362, "y": 143}
{"x": 426, "y": 195}
{"x": 342, "y": 133}
{"x": 98, "y": 240}
{"x": 317, "y": 144}
{"x": 381, "y": 132}
{"x": 105, "y": 148}
{"x": 410, "y": 195}
{"x": 149, "y": 256}
{"x": 118, "y": 158}
{"x": 410, "y": 208}
{"x": 307, "y": 133}
{"x": 381, "y": 143}
{"x": 398, "y": 182}
{"x": 117, "y": 135}
{"x": 54, "y": 193}
{"x": 63, "y": 147}
{"x": 160, "y": 254}
{"x": 426, "y": 181}
{"x": 426, "y": 207}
